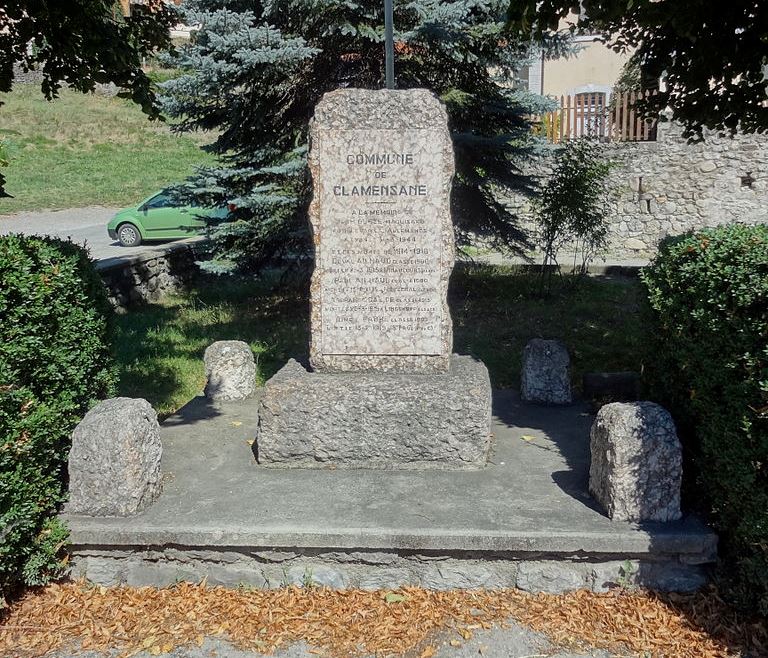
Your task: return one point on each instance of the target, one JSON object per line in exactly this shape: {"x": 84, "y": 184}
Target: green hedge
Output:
{"x": 55, "y": 361}
{"x": 708, "y": 294}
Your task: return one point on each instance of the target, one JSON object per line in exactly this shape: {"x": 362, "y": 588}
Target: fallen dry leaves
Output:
{"x": 343, "y": 623}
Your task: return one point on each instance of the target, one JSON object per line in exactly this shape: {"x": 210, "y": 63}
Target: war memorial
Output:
{"x": 386, "y": 460}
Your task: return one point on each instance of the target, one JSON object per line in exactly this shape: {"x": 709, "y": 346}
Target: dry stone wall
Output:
{"x": 374, "y": 570}
{"x": 35, "y": 77}
{"x": 147, "y": 277}
{"x": 669, "y": 186}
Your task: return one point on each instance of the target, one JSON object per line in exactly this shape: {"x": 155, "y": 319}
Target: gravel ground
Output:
{"x": 512, "y": 642}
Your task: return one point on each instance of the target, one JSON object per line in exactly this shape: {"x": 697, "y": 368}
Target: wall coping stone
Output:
{"x": 108, "y": 265}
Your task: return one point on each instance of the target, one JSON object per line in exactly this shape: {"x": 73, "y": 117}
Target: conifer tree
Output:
{"x": 255, "y": 70}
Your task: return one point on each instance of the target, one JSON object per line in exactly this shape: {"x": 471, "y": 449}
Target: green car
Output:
{"x": 159, "y": 218}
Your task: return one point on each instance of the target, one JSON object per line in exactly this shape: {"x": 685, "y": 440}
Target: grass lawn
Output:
{"x": 82, "y": 150}
{"x": 495, "y": 312}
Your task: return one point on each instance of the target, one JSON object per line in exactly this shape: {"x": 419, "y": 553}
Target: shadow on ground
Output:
{"x": 566, "y": 427}
{"x": 198, "y": 409}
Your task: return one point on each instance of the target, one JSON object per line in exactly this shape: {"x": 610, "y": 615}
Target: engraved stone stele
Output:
{"x": 636, "y": 468}
{"x": 382, "y": 164}
{"x": 384, "y": 391}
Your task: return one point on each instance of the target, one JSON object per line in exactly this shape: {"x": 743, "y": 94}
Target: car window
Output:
{"x": 159, "y": 201}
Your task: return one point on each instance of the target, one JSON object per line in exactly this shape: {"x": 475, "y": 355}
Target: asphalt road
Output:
{"x": 83, "y": 225}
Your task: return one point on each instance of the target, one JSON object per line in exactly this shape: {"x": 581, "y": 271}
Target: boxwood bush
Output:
{"x": 708, "y": 294}
{"x": 55, "y": 361}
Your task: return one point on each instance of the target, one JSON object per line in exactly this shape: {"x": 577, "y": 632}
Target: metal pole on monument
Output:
{"x": 389, "y": 44}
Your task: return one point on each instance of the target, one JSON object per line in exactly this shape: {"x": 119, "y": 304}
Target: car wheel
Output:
{"x": 128, "y": 235}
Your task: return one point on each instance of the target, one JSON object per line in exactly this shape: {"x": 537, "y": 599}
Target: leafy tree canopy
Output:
{"x": 83, "y": 42}
{"x": 256, "y": 69}
{"x": 713, "y": 56}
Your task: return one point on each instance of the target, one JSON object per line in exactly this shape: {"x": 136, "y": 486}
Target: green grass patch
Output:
{"x": 160, "y": 347}
{"x": 495, "y": 312}
{"x": 87, "y": 149}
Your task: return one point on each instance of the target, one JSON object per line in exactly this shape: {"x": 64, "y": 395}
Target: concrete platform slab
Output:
{"x": 529, "y": 504}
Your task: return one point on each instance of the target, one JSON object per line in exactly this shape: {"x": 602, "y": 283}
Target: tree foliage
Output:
{"x": 83, "y": 42}
{"x": 55, "y": 362}
{"x": 256, "y": 70}
{"x": 713, "y": 56}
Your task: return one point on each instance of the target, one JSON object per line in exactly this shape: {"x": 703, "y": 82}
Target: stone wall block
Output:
{"x": 114, "y": 463}
{"x": 673, "y": 577}
{"x": 606, "y": 576}
{"x": 227, "y": 575}
{"x": 230, "y": 370}
{"x": 636, "y": 468}
{"x": 136, "y": 295}
{"x": 386, "y": 579}
{"x": 546, "y": 372}
{"x": 552, "y": 577}
{"x": 317, "y": 575}
{"x": 158, "y": 574}
{"x": 461, "y": 576}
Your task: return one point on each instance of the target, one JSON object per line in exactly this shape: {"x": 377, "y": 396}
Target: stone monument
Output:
{"x": 385, "y": 390}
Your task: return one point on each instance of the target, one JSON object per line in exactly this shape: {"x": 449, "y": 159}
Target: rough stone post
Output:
{"x": 636, "y": 469}
{"x": 230, "y": 370}
{"x": 114, "y": 463}
{"x": 546, "y": 372}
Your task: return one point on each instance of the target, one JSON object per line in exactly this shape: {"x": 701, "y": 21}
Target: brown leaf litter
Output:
{"x": 352, "y": 622}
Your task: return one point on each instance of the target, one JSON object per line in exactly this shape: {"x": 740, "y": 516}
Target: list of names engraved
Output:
{"x": 380, "y": 241}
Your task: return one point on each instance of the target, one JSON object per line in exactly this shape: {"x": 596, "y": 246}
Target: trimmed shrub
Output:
{"x": 55, "y": 361}
{"x": 708, "y": 293}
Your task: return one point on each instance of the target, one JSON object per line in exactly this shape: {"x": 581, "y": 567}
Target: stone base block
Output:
{"x": 376, "y": 420}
